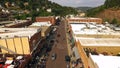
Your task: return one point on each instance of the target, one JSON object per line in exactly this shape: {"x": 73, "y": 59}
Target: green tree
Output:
{"x": 111, "y": 3}
{"x": 114, "y": 21}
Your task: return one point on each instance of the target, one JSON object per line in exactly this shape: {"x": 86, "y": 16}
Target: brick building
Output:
{"x": 85, "y": 20}
{"x": 19, "y": 40}
{"x": 19, "y": 44}
{"x": 18, "y": 24}
{"x": 50, "y": 19}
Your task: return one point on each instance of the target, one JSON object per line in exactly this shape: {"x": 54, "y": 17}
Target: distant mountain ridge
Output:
{"x": 83, "y": 8}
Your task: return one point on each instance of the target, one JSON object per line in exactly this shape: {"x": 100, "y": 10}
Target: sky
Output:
{"x": 79, "y": 3}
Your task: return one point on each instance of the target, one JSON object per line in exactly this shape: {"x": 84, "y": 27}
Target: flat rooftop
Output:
{"x": 41, "y": 24}
{"x": 106, "y": 61}
{"x": 99, "y": 41}
{"x": 13, "y": 22}
{"x": 19, "y": 32}
{"x": 86, "y": 28}
{"x": 6, "y": 22}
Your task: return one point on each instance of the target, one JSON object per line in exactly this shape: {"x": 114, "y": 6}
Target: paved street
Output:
{"x": 60, "y": 48}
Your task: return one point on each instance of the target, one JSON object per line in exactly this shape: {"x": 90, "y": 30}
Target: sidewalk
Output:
{"x": 70, "y": 52}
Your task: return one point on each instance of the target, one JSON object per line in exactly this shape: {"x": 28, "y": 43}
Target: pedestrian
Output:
{"x": 68, "y": 66}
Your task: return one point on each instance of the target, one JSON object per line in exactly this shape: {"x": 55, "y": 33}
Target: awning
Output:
{"x": 75, "y": 50}
{"x": 19, "y": 57}
{"x": 8, "y": 61}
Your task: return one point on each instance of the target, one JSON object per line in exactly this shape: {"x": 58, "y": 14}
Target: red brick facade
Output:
{"x": 45, "y": 19}
{"x": 97, "y": 20}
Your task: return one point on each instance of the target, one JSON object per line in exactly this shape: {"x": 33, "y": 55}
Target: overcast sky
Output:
{"x": 79, "y": 3}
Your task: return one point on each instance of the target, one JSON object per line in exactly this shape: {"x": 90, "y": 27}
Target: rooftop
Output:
{"x": 16, "y": 21}
{"x": 41, "y": 24}
{"x": 106, "y": 61}
{"x": 99, "y": 41}
{"x": 91, "y": 28}
{"x": 18, "y": 32}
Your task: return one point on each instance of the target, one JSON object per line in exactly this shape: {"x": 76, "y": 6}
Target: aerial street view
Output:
{"x": 59, "y": 33}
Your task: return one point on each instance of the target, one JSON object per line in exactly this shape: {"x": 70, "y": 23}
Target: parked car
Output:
{"x": 54, "y": 55}
{"x": 67, "y": 58}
